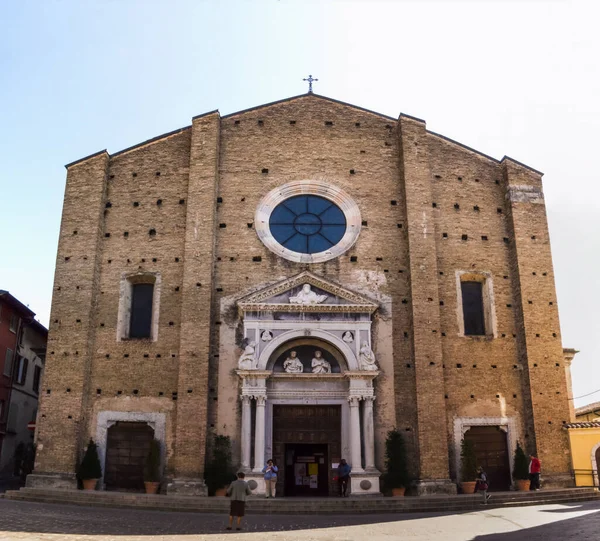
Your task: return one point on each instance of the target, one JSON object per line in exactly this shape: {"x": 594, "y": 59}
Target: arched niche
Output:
{"x": 305, "y": 350}
{"x": 328, "y": 342}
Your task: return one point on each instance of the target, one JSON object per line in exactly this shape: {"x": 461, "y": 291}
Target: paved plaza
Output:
{"x": 564, "y": 522}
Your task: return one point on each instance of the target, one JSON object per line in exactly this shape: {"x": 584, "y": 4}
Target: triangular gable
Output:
{"x": 277, "y": 297}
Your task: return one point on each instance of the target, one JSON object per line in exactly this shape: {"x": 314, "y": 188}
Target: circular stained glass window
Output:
{"x": 307, "y": 224}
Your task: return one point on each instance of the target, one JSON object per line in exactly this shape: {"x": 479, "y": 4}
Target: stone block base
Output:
{"x": 423, "y": 487}
{"x": 256, "y": 482}
{"x": 51, "y": 480}
{"x": 187, "y": 487}
{"x": 557, "y": 480}
{"x": 365, "y": 484}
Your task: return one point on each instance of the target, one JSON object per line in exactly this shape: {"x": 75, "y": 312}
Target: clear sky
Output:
{"x": 520, "y": 78}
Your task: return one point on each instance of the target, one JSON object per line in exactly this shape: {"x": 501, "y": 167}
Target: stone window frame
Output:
{"x": 125, "y": 298}
{"x": 106, "y": 419}
{"x": 308, "y": 187}
{"x": 489, "y": 302}
{"x": 463, "y": 424}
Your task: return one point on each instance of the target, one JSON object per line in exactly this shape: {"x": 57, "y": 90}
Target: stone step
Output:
{"x": 290, "y": 506}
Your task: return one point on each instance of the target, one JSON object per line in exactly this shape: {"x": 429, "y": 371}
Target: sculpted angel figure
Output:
{"x": 293, "y": 365}
{"x": 366, "y": 358}
{"x": 348, "y": 337}
{"x": 307, "y": 296}
{"x": 266, "y": 336}
{"x": 320, "y": 365}
{"x": 247, "y": 360}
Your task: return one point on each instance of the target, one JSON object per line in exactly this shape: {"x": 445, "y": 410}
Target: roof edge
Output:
{"x": 11, "y": 299}
{"x": 404, "y": 115}
{"x": 508, "y": 158}
{"x": 466, "y": 147}
{"x": 87, "y": 158}
{"x": 206, "y": 114}
{"x": 152, "y": 140}
{"x": 332, "y": 100}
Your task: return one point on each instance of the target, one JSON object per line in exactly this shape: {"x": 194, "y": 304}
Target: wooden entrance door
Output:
{"x": 127, "y": 446}
{"x": 315, "y": 430}
{"x": 491, "y": 450}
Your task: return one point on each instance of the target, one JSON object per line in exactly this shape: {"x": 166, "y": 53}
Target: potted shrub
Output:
{"x": 152, "y": 468}
{"x": 219, "y": 469}
{"x": 521, "y": 469}
{"x": 89, "y": 470}
{"x": 396, "y": 474}
{"x": 468, "y": 467}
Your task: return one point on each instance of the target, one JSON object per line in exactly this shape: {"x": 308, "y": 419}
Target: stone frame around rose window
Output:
{"x": 308, "y": 187}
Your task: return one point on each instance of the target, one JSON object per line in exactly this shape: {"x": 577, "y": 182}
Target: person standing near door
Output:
{"x": 535, "y": 468}
{"x": 344, "y": 470}
{"x": 270, "y": 471}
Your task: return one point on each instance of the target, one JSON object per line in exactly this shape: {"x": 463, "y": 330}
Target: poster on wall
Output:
{"x": 306, "y": 480}
{"x": 299, "y": 470}
{"x": 314, "y": 481}
{"x": 313, "y": 469}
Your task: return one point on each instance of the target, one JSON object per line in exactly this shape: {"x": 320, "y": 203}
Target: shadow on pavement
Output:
{"x": 41, "y": 518}
{"x": 581, "y": 528}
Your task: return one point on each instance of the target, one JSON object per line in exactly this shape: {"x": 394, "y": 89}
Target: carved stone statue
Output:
{"x": 247, "y": 360}
{"x": 293, "y": 365}
{"x": 320, "y": 365}
{"x": 348, "y": 337}
{"x": 366, "y": 358}
{"x": 266, "y": 336}
{"x": 307, "y": 296}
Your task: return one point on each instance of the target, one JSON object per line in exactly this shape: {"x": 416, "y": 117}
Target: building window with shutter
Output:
{"x": 21, "y": 370}
{"x": 37, "y": 377}
{"x": 475, "y": 304}
{"x": 13, "y": 324}
{"x": 8, "y": 362}
{"x": 139, "y": 303}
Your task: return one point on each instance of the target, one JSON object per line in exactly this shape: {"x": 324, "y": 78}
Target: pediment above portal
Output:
{"x": 306, "y": 292}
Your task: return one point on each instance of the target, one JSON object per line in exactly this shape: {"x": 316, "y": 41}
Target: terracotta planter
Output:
{"x": 398, "y": 491}
{"x": 220, "y": 492}
{"x": 468, "y": 487}
{"x": 89, "y": 484}
{"x": 151, "y": 487}
{"x": 523, "y": 485}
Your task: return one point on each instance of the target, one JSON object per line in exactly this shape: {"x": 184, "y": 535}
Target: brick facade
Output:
{"x": 430, "y": 208}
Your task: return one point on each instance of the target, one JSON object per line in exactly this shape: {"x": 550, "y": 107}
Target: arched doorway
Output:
{"x": 127, "y": 446}
{"x": 491, "y": 450}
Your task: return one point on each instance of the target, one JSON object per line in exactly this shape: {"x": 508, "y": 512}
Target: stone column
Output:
{"x": 246, "y": 431}
{"x": 355, "y": 434}
{"x": 369, "y": 433}
{"x": 259, "y": 434}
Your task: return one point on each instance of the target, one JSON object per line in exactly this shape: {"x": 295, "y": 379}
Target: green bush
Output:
{"x": 468, "y": 461}
{"x": 90, "y": 465}
{"x": 219, "y": 470}
{"x": 521, "y": 466}
{"x": 396, "y": 470}
{"x": 152, "y": 466}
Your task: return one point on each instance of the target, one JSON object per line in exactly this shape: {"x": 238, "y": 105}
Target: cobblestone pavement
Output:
{"x": 564, "y": 522}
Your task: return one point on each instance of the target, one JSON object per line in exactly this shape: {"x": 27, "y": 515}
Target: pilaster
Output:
{"x": 536, "y": 314}
{"x": 196, "y": 302}
{"x": 62, "y": 423}
{"x": 429, "y": 376}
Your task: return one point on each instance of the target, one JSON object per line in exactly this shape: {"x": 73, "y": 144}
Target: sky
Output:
{"x": 507, "y": 77}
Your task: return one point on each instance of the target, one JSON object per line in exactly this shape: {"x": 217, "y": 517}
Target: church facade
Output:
{"x": 303, "y": 277}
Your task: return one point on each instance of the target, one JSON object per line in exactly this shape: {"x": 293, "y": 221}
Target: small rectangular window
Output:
{"x": 21, "y": 371}
{"x": 14, "y": 323}
{"x": 472, "y": 299}
{"x": 8, "y": 362}
{"x": 37, "y": 377}
{"x": 141, "y": 311}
